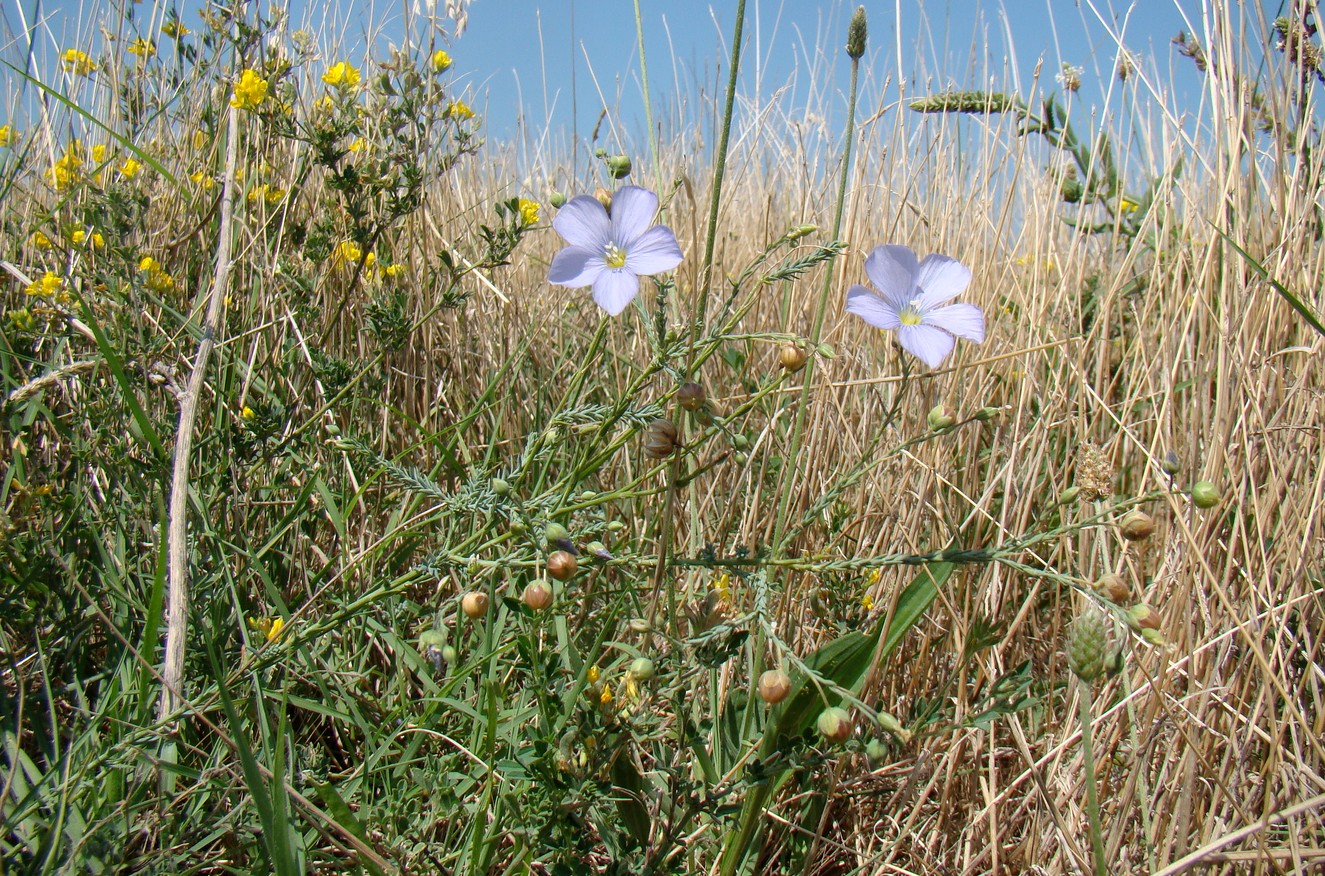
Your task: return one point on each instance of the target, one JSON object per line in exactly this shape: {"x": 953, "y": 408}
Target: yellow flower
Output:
{"x": 7, "y": 135}
{"x": 459, "y": 111}
{"x": 592, "y": 675}
{"x": 357, "y": 145}
{"x": 441, "y": 61}
{"x": 129, "y": 169}
{"x": 40, "y": 240}
{"x": 77, "y": 62}
{"x": 250, "y": 90}
{"x": 174, "y": 29}
{"x": 269, "y": 627}
{"x": 348, "y": 253}
{"x": 99, "y": 153}
{"x": 148, "y": 264}
{"x": 271, "y": 194}
{"x": 48, "y": 286}
{"x": 199, "y": 140}
{"x": 78, "y": 236}
{"x": 97, "y": 240}
{"x": 157, "y": 279}
{"x": 1127, "y": 205}
{"x": 528, "y": 212}
{"x": 342, "y": 75}
{"x": 22, "y": 320}
{"x": 393, "y": 270}
{"x": 143, "y": 48}
{"x": 202, "y": 179}
{"x": 68, "y": 167}
{"x": 874, "y": 577}
{"x": 867, "y": 602}
{"x": 246, "y": 413}
{"x": 605, "y": 697}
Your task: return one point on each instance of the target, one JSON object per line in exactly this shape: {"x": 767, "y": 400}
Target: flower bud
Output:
{"x": 599, "y": 550}
{"x": 557, "y": 200}
{"x": 431, "y": 643}
{"x": 474, "y": 604}
{"x": 691, "y": 396}
{"x": 1113, "y": 588}
{"x": 1087, "y": 642}
{"x": 1142, "y": 617}
{"x": 537, "y": 596}
{"x": 561, "y": 565}
{"x": 642, "y": 668}
{"x": 835, "y": 724}
{"x": 518, "y": 528}
{"x": 740, "y": 442}
{"x": 1069, "y": 495}
{"x": 940, "y": 419}
{"x": 791, "y": 357}
{"x": 1205, "y": 494}
{"x": 660, "y": 439}
{"x": 774, "y": 685}
{"x": 1170, "y": 463}
{"x": 618, "y": 166}
{"x": 449, "y": 654}
{"x": 604, "y": 197}
{"x": 986, "y": 414}
{"x": 639, "y": 625}
{"x": 799, "y": 231}
{"x": 500, "y": 487}
{"x": 1136, "y": 525}
{"x": 856, "y": 33}
{"x": 875, "y": 750}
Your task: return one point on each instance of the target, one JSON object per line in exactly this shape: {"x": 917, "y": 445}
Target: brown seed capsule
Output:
{"x": 1113, "y": 588}
{"x": 774, "y": 685}
{"x": 1136, "y": 525}
{"x": 561, "y": 565}
{"x": 791, "y": 357}
{"x": 474, "y": 604}
{"x": 1142, "y": 617}
{"x": 691, "y": 396}
{"x": 835, "y": 724}
{"x": 660, "y": 439}
{"x": 537, "y": 596}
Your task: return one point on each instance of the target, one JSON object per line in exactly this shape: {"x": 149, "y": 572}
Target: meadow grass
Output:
{"x": 400, "y": 411}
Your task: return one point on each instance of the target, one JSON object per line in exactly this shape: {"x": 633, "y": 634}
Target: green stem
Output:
{"x": 1088, "y": 766}
{"x": 803, "y": 404}
{"x": 648, "y": 105}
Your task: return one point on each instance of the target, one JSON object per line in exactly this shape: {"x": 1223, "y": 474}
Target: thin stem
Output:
{"x": 802, "y": 409}
{"x": 1085, "y": 698}
{"x": 648, "y": 105}
{"x": 177, "y": 599}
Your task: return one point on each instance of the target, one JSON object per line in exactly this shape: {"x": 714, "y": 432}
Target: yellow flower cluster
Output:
{"x": 174, "y": 29}
{"x": 79, "y": 236}
{"x": 156, "y": 277}
{"x": 528, "y": 212}
{"x": 263, "y": 192}
{"x": 202, "y": 178}
{"x": 68, "y": 167}
{"x": 269, "y": 627}
{"x": 51, "y": 285}
{"x": 8, "y": 135}
{"x": 441, "y": 61}
{"x": 250, "y": 90}
{"x": 40, "y": 240}
{"x": 342, "y": 75}
{"x": 459, "y": 110}
{"x": 77, "y": 62}
{"x": 129, "y": 169}
{"x": 143, "y": 48}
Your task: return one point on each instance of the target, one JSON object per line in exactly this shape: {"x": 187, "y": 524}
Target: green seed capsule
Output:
{"x": 1205, "y": 494}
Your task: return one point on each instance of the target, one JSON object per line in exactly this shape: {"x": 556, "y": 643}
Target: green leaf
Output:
{"x": 1296, "y": 303}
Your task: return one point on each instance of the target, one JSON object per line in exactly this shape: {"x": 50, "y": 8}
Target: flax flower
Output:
{"x": 912, "y": 300}
{"x": 611, "y": 252}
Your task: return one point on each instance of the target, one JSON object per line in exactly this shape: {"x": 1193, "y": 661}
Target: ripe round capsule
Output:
{"x": 1113, "y": 588}
{"x": 774, "y": 685}
{"x": 642, "y": 669}
{"x": 1136, "y": 525}
{"x": 691, "y": 396}
{"x": 474, "y": 604}
{"x": 660, "y": 439}
{"x": 537, "y": 596}
{"x": 561, "y": 565}
{"x": 835, "y": 724}
{"x": 791, "y": 357}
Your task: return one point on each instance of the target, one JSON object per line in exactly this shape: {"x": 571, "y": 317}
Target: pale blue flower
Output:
{"x": 912, "y": 300}
{"x": 611, "y": 253}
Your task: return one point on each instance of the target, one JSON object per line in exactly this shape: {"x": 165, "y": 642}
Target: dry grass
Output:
{"x": 1163, "y": 343}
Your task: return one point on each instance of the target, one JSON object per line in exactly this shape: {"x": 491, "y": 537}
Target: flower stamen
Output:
{"x": 614, "y": 256}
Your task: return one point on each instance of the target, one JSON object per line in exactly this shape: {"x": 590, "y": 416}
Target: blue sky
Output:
{"x": 557, "y": 63}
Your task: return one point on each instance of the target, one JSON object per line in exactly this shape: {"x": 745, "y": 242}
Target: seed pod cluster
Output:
{"x": 660, "y": 439}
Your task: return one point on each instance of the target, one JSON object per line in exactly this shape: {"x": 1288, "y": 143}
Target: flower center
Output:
{"x": 911, "y": 313}
{"x": 615, "y": 256}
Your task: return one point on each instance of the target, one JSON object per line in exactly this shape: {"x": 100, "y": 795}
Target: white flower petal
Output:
{"x": 576, "y": 266}
{"x": 873, "y": 309}
{"x": 942, "y": 279}
{"x": 582, "y": 221}
{"x": 632, "y": 212}
{"x": 963, "y": 320}
{"x": 928, "y": 344}
{"x": 655, "y": 251}
{"x": 614, "y": 289}
{"x": 892, "y": 270}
